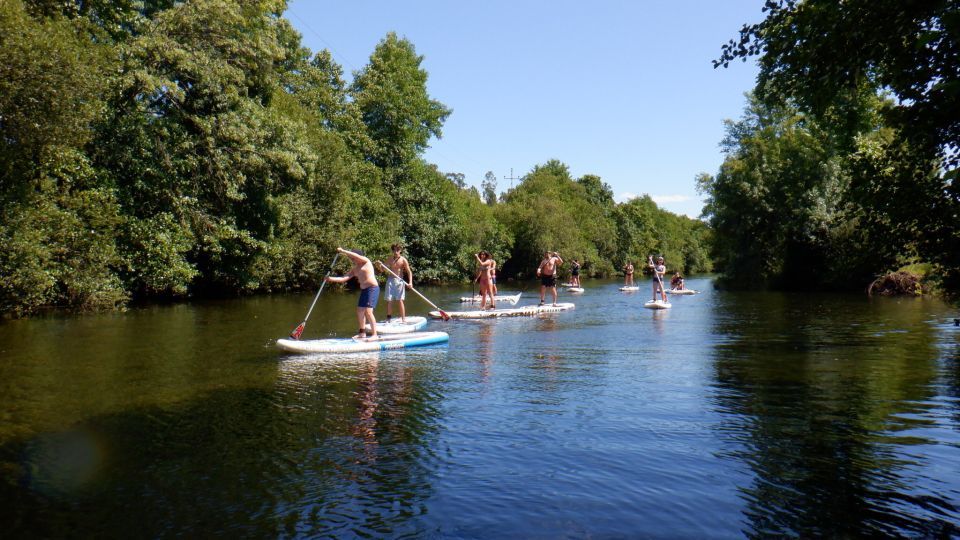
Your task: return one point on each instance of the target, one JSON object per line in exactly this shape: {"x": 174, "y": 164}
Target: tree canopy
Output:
{"x": 873, "y": 88}
{"x": 165, "y": 149}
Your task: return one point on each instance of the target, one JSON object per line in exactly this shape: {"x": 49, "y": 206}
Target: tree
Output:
{"x": 489, "y": 186}
{"x": 910, "y": 48}
{"x": 457, "y": 179}
{"x": 391, "y": 94}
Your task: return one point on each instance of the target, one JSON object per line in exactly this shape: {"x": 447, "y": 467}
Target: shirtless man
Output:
{"x": 547, "y": 272}
{"x": 397, "y": 288}
{"x": 369, "y": 290}
{"x": 628, "y": 274}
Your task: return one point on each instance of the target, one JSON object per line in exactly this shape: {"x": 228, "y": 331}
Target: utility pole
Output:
{"x": 511, "y": 178}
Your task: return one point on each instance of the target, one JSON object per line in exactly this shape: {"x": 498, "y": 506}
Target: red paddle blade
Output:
{"x": 297, "y": 331}
{"x": 443, "y": 314}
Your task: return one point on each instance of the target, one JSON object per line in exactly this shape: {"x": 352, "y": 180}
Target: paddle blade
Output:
{"x": 297, "y": 331}
{"x": 443, "y": 315}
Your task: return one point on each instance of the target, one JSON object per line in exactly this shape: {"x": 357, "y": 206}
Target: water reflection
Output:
{"x": 728, "y": 415}
{"x": 819, "y": 403}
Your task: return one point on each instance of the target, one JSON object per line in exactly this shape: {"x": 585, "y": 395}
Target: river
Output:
{"x": 730, "y": 415}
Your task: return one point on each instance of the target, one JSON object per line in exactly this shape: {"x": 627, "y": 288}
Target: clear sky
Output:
{"x": 623, "y": 89}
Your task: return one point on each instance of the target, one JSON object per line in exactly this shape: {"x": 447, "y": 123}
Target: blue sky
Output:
{"x": 622, "y": 89}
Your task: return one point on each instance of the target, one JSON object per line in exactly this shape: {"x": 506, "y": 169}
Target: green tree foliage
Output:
{"x": 391, "y": 93}
{"x": 162, "y": 149}
{"x": 908, "y": 47}
{"x": 789, "y": 209}
{"x": 549, "y": 211}
{"x": 489, "y": 186}
{"x": 58, "y": 218}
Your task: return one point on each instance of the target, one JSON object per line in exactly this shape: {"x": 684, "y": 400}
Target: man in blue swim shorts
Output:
{"x": 369, "y": 290}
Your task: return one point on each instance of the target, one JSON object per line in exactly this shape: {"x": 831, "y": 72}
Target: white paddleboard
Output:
{"x": 630, "y": 288}
{"x": 395, "y": 326}
{"x": 348, "y": 345}
{"x": 657, "y": 304}
{"x": 499, "y": 298}
{"x": 575, "y": 289}
{"x": 682, "y": 291}
{"x": 525, "y": 311}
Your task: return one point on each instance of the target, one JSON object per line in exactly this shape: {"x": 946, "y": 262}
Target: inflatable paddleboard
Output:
{"x": 348, "y": 345}
{"x": 566, "y": 284}
{"x": 525, "y": 311}
{"x": 499, "y": 298}
{"x": 682, "y": 291}
{"x": 575, "y": 289}
{"x": 630, "y": 288}
{"x": 395, "y": 326}
{"x": 657, "y": 304}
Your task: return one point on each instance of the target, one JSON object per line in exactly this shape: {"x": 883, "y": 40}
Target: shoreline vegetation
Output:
{"x": 165, "y": 150}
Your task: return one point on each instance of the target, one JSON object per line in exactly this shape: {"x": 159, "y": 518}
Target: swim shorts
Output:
{"x": 548, "y": 281}
{"x": 369, "y": 297}
{"x": 396, "y": 289}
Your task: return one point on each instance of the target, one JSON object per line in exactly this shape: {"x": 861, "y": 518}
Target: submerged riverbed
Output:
{"x": 729, "y": 415}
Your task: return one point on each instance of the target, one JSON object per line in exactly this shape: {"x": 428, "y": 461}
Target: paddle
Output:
{"x": 443, "y": 314}
{"x": 299, "y": 329}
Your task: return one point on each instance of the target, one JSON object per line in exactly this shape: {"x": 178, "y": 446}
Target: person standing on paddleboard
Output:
{"x": 547, "y": 272}
{"x": 575, "y": 273}
{"x": 628, "y": 274}
{"x": 369, "y": 290}
{"x": 659, "y": 270}
{"x": 485, "y": 279}
{"x": 396, "y": 287}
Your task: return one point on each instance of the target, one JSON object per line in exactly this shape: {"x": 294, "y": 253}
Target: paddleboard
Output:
{"x": 657, "y": 304}
{"x": 566, "y": 285}
{"x": 631, "y": 288}
{"x": 499, "y": 298}
{"x": 349, "y": 345}
{"x": 682, "y": 291}
{"x": 525, "y": 311}
{"x": 395, "y": 326}
{"x": 575, "y": 289}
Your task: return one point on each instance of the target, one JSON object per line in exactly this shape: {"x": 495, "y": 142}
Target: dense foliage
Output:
{"x": 845, "y": 164}
{"x": 161, "y": 149}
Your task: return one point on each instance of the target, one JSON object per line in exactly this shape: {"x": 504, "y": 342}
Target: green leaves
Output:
{"x": 391, "y": 95}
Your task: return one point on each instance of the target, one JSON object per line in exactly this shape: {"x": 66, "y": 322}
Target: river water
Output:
{"x": 730, "y": 415}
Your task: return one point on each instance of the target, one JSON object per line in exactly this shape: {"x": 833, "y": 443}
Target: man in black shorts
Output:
{"x": 547, "y": 272}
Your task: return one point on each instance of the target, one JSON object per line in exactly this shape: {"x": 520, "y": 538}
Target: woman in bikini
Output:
{"x": 486, "y": 288}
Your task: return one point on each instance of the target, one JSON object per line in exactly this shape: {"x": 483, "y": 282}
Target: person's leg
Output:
{"x": 361, "y": 323}
{"x": 403, "y": 310}
{"x": 543, "y": 290}
{"x": 368, "y": 313}
{"x": 553, "y": 291}
{"x": 390, "y": 309}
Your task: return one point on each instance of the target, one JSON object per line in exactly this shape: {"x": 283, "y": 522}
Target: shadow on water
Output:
{"x": 828, "y": 400}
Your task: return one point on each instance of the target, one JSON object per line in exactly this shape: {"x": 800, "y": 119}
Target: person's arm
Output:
{"x": 406, "y": 264}
{"x": 359, "y": 259}
{"x": 341, "y": 279}
{"x": 557, "y": 257}
{"x": 540, "y": 267}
